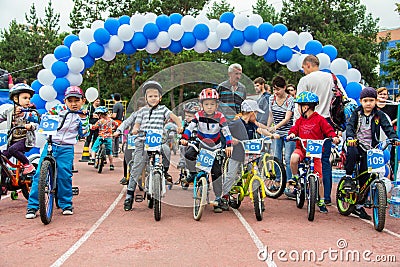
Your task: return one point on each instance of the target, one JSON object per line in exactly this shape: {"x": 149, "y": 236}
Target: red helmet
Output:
{"x": 208, "y": 93}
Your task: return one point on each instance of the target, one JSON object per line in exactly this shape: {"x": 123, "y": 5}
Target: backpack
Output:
{"x": 338, "y": 107}
{"x": 3, "y": 79}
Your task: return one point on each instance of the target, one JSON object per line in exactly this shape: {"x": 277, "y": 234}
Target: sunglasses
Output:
{"x": 292, "y": 90}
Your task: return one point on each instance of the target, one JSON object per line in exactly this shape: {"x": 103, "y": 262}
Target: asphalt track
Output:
{"x": 101, "y": 233}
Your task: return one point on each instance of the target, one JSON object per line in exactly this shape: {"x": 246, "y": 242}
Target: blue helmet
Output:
{"x": 349, "y": 108}
{"x": 307, "y": 98}
{"x": 101, "y": 109}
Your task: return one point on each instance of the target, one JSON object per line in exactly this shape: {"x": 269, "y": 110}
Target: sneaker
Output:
{"x": 128, "y": 204}
{"x": 293, "y": 181}
{"x": 328, "y": 202}
{"x": 30, "y": 214}
{"x": 111, "y": 167}
{"x": 322, "y": 206}
{"x": 290, "y": 194}
{"x": 91, "y": 162}
{"x": 217, "y": 209}
{"x": 168, "y": 177}
{"x": 68, "y": 211}
{"x": 224, "y": 203}
{"x": 360, "y": 212}
{"x": 96, "y": 165}
{"x": 217, "y": 205}
{"x": 124, "y": 181}
{"x": 28, "y": 168}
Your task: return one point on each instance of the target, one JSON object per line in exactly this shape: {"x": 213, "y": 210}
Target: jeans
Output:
{"x": 327, "y": 170}
{"x": 277, "y": 149}
{"x": 115, "y": 146}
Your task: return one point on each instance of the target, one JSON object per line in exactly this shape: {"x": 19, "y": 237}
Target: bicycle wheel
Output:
{"x": 312, "y": 196}
{"x": 46, "y": 194}
{"x": 274, "y": 175}
{"x": 257, "y": 200}
{"x": 200, "y": 198}
{"x": 26, "y": 189}
{"x": 102, "y": 155}
{"x": 342, "y": 199}
{"x": 378, "y": 197}
{"x": 157, "y": 195}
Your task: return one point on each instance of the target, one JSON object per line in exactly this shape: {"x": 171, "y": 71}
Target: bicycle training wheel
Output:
{"x": 258, "y": 200}
{"x": 312, "y": 196}
{"x": 157, "y": 195}
{"x": 378, "y": 197}
{"x": 274, "y": 175}
{"x": 46, "y": 194}
{"x": 343, "y": 199}
{"x": 200, "y": 198}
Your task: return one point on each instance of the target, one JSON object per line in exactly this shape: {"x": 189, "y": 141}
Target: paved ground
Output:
{"x": 101, "y": 233}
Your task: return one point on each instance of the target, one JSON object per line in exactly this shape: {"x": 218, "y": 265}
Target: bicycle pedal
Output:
{"x": 75, "y": 190}
{"x": 139, "y": 198}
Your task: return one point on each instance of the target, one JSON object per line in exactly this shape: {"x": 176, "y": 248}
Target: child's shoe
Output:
{"x": 123, "y": 181}
{"x": 322, "y": 206}
{"x": 111, "y": 167}
{"x": 30, "y": 214}
{"x": 91, "y": 162}
{"x": 168, "y": 178}
{"x": 68, "y": 211}
{"x": 128, "y": 204}
{"x": 293, "y": 181}
{"x": 28, "y": 168}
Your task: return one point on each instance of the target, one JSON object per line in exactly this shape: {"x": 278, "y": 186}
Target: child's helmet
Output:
{"x": 307, "y": 98}
{"x": 101, "y": 109}
{"x": 20, "y": 88}
{"x": 192, "y": 107}
{"x": 208, "y": 93}
{"x": 151, "y": 85}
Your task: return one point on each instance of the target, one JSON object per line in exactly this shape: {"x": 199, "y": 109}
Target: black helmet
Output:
{"x": 20, "y": 88}
{"x": 151, "y": 85}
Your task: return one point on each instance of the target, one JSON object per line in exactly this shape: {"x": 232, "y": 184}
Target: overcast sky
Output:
{"x": 16, "y": 9}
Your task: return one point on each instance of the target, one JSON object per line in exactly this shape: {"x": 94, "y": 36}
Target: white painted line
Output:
{"x": 259, "y": 244}
{"x": 85, "y": 237}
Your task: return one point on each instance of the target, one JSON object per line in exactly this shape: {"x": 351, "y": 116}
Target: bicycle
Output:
{"x": 101, "y": 156}
{"x": 47, "y": 187}
{"x": 374, "y": 190}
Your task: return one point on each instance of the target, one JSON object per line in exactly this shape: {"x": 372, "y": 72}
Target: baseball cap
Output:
{"x": 368, "y": 92}
{"x": 73, "y": 91}
{"x": 249, "y": 105}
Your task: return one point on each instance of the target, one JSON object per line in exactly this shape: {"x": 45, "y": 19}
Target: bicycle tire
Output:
{"x": 157, "y": 195}
{"x": 26, "y": 189}
{"x": 200, "y": 198}
{"x": 234, "y": 202}
{"x": 102, "y": 155}
{"x": 344, "y": 207}
{"x": 257, "y": 200}
{"x": 300, "y": 196}
{"x": 312, "y": 196}
{"x": 379, "y": 200}
{"x": 275, "y": 184}
{"x": 46, "y": 194}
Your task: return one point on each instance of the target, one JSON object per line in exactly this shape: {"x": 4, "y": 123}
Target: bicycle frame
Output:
{"x": 247, "y": 178}
{"x": 155, "y": 165}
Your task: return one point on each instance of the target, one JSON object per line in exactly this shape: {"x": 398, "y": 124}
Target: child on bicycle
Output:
{"x": 313, "y": 126}
{"x": 63, "y": 151}
{"x": 20, "y": 140}
{"x": 106, "y": 125}
{"x": 364, "y": 126}
{"x": 210, "y": 123}
{"x": 148, "y": 118}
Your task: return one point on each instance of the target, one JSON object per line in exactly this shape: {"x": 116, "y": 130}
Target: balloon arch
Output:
{"x": 105, "y": 39}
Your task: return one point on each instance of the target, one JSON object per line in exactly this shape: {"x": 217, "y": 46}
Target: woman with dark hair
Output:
{"x": 291, "y": 90}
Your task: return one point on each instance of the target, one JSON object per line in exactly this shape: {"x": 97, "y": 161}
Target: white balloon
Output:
{"x": 304, "y": 38}
{"x": 300, "y": 61}
{"x": 138, "y": 21}
{"x": 324, "y": 61}
{"x": 224, "y": 30}
{"x": 46, "y": 77}
{"x": 75, "y": 79}
{"x": 152, "y": 47}
{"x": 213, "y": 41}
{"x": 78, "y": 49}
{"x": 200, "y": 47}
{"x": 339, "y": 66}
{"x": 125, "y": 32}
{"x": 175, "y": 32}
{"x": 290, "y": 39}
{"x": 255, "y": 20}
{"x": 108, "y": 54}
{"x": 246, "y": 48}
{"x": 150, "y": 17}
{"x": 275, "y": 41}
{"x": 188, "y": 22}
{"x": 353, "y": 75}
{"x": 201, "y": 19}
{"x": 163, "y": 40}
{"x": 47, "y": 93}
{"x": 115, "y": 44}
{"x": 91, "y": 94}
{"x": 240, "y": 22}
{"x": 97, "y": 24}
{"x": 41, "y": 139}
{"x": 48, "y": 60}
{"x": 50, "y": 104}
{"x": 213, "y": 25}
{"x": 260, "y": 47}
{"x": 75, "y": 64}
{"x": 86, "y": 36}
{"x": 292, "y": 64}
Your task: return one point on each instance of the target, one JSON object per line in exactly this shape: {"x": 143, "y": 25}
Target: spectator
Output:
{"x": 20, "y": 80}
{"x": 117, "y": 115}
{"x": 291, "y": 89}
{"x": 6, "y": 80}
{"x": 262, "y": 101}
{"x": 390, "y": 110}
{"x": 93, "y": 118}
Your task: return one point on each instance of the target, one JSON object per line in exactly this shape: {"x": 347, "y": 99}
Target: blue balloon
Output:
{"x": 331, "y": 51}
{"x": 125, "y": 19}
{"x": 139, "y": 41}
{"x": 95, "y": 50}
{"x": 59, "y": 69}
{"x": 353, "y": 90}
{"x": 36, "y": 85}
{"x": 280, "y": 28}
{"x": 284, "y": 54}
{"x": 88, "y": 61}
{"x": 102, "y": 36}
{"x": 60, "y": 84}
{"x": 201, "y": 31}
{"x": 112, "y": 25}
{"x": 270, "y": 56}
{"x": 34, "y": 150}
{"x": 188, "y": 40}
{"x": 227, "y": 17}
{"x": 62, "y": 53}
{"x": 38, "y": 101}
{"x": 386, "y": 155}
{"x": 128, "y": 49}
{"x": 42, "y": 111}
{"x": 175, "y": 47}
{"x": 326, "y": 70}
{"x": 236, "y": 38}
{"x": 151, "y": 31}
{"x": 313, "y": 47}
{"x": 60, "y": 97}
{"x": 69, "y": 39}
{"x": 251, "y": 34}
{"x": 342, "y": 80}
{"x": 175, "y": 18}
{"x": 225, "y": 46}
{"x": 265, "y": 30}
{"x": 348, "y": 65}
{"x": 163, "y": 22}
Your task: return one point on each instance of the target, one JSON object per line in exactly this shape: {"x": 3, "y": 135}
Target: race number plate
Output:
{"x": 314, "y": 148}
{"x": 253, "y": 146}
{"x": 3, "y": 140}
{"x": 153, "y": 140}
{"x": 131, "y": 141}
{"x": 205, "y": 160}
{"x": 48, "y": 124}
{"x": 375, "y": 161}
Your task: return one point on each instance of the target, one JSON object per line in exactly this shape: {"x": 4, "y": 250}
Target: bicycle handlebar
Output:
{"x": 385, "y": 143}
{"x": 65, "y": 117}
{"x": 305, "y": 140}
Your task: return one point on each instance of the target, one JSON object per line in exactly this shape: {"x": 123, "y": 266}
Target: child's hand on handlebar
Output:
{"x": 352, "y": 142}
{"x": 28, "y": 126}
{"x": 290, "y": 136}
{"x": 116, "y": 133}
{"x": 336, "y": 140}
{"x": 228, "y": 151}
{"x": 180, "y": 130}
{"x": 184, "y": 142}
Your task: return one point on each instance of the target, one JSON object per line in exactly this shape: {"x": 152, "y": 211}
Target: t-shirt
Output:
{"x": 279, "y": 113}
{"x": 105, "y": 127}
{"x": 390, "y": 110}
{"x": 241, "y": 131}
{"x": 118, "y": 108}
{"x": 263, "y": 103}
{"x": 230, "y": 100}
{"x": 153, "y": 119}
